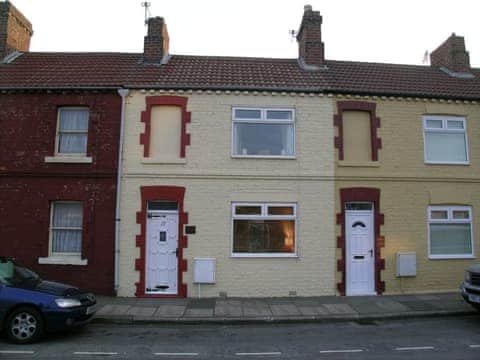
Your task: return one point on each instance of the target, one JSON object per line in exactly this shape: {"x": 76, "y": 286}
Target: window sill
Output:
{"x": 359, "y": 163}
{"x": 158, "y": 161}
{"x": 272, "y": 256}
{"x": 446, "y": 163}
{"x": 61, "y": 159}
{"x": 451, "y": 257}
{"x": 274, "y": 157}
{"x": 65, "y": 260}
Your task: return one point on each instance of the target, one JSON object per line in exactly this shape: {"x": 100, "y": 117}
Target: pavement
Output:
{"x": 279, "y": 309}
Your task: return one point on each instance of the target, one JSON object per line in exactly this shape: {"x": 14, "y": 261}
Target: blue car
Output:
{"x": 30, "y": 306}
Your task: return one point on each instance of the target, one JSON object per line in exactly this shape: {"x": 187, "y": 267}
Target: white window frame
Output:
{"x": 445, "y": 130}
{"x": 62, "y": 258}
{"x": 262, "y": 120}
{"x": 57, "y": 137}
{"x": 450, "y": 220}
{"x": 264, "y": 215}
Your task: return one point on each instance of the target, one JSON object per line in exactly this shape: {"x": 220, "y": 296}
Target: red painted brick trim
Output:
{"x": 370, "y": 195}
{"x": 170, "y": 193}
{"x": 376, "y": 142}
{"x": 152, "y": 101}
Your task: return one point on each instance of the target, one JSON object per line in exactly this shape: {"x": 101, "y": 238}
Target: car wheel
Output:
{"x": 24, "y": 325}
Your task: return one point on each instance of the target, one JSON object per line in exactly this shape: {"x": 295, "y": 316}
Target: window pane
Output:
{"x": 66, "y": 241}
{"x": 248, "y": 114}
{"x": 162, "y": 205}
{"x": 279, "y": 115}
{"x": 438, "y": 214}
{"x": 73, "y": 119}
{"x": 461, "y": 214}
{"x": 264, "y": 236}
{"x": 445, "y": 147}
{"x": 67, "y": 215}
{"x": 280, "y": 210}
{"x": 358, "y": 206}
{"x": 72, "y": 143}
{"x": 264, "y": 139}
{"x": 434, "y": 124}
{"x": 454, "y": 124}
{"x": 248, "y": 210}
{"x": 450, "y": 239}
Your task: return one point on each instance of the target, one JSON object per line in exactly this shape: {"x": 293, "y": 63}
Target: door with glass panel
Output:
{"x": 161, "y": 270}
{"x": 360, "y": 254}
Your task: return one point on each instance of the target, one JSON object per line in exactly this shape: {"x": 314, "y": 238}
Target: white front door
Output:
{"x": 161, "y": 257}
{"x": 360, "y": 249}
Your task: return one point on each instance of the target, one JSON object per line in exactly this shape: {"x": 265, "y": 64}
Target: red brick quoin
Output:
{"x": 168, "y": 193}
{"x": 152, "y": 101}
{"x": 361, "y": 195}
{"x": 342, "y": 106}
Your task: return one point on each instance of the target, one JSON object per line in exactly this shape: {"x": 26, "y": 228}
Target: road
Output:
{"x": 438, "y": 338}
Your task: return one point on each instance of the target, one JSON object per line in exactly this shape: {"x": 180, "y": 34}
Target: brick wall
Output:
{"x": 28, "y": 185}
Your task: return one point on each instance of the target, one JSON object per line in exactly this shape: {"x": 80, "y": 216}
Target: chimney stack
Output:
{"x": 452, "y": 55}
{"x": 15, "y": 30}
{"x": 310, "y": 46}
{"x": 155, "y": 46}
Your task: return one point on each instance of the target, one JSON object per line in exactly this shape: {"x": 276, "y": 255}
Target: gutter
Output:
{"x": 123, "y": 93}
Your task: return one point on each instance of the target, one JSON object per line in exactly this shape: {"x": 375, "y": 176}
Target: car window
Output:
{"x": 14, "y": 273}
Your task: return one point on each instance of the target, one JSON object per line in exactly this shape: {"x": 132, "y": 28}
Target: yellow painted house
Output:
{"x": 297, "y": 177}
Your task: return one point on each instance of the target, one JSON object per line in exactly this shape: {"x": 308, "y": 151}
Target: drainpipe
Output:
{"x": 123, "y": 93}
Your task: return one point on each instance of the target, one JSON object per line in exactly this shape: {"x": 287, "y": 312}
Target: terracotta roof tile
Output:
{"x": 112, "y": 70}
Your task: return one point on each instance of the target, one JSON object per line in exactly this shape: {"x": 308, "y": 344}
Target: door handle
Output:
{"x": 176, "y": 252}
{"x": 371, "y": 252}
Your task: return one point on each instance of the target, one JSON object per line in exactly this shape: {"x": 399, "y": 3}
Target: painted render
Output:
{"x": 213, "y": 180}
{"x": 408, "y": 186}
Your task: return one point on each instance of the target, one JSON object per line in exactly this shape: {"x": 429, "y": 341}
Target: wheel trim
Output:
{"x": 24, "y": 326}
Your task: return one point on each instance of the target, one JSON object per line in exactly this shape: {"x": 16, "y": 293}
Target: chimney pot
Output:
{"x": 307, "y": 8}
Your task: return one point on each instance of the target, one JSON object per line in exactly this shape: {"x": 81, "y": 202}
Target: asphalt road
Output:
{"x": 439, "y": 338}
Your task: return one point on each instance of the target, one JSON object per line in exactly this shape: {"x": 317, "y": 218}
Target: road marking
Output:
{"x": 95, "y": 353}
{"x": 474, "y": 346}
{"x": 415, "y": 348}
{"x": 16, "y": 352}
{"x": 258, "y": 353}
{"x": 340, "y": 351}
{"x": 176, "y": 354}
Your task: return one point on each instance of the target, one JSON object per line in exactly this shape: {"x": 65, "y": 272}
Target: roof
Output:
{"x": 36, "y": 70}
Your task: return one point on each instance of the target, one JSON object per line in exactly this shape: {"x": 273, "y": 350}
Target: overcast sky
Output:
{"x": 365, "y": 30}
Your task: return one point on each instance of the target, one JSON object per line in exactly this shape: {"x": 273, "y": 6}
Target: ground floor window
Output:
{"x": 261, "y": 229}
{"x": 66, "y": 228}
{"x": 450, "y": 231}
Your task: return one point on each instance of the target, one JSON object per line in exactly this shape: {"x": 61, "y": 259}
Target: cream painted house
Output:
{"x": 297, "y": 177}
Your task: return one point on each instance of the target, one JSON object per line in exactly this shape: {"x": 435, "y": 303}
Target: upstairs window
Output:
{"x": 445, "y": 140}
{"x": 265, "y": 230}
{"x": 72, "y": 131}
{"x": 263, "y": 132}
{"x": 450, "y": 232}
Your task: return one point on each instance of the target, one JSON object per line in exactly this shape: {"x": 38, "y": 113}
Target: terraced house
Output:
{"x": 286, "y": 177}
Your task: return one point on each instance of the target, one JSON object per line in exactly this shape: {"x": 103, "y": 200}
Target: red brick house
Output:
{"x": 58, "y": 161}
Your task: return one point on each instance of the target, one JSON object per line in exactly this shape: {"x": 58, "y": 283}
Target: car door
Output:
{"x": 3, "y": 304}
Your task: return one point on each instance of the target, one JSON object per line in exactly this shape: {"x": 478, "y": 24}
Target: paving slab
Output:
{"x": 228, "y": 308}
{"x": 313, "y": 310}
{"x": 169, "y": 311}
{"x": 111, "y": 309}
{"x": 198, "y": 312}
{"x": 339, "y": 309}
{"x": 285, "y": 310}
{"x": 141, "y": 311}
{"x": 256, "y": 309}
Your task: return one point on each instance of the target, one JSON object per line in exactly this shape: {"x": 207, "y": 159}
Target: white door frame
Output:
{"x": 360, "y": 256}
{"x": 172, "y": 252}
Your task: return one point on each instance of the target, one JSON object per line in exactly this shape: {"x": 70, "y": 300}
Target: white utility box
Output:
{"x": 406, "y": 264}
{"x": 204, "y": 270}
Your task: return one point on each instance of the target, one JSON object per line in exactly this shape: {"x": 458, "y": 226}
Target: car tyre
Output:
{"x": 24, "y": 325}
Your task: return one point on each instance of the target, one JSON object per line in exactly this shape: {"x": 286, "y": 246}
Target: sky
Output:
{"x": 389, "y": 31}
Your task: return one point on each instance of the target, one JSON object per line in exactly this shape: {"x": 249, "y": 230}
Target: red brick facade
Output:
{"x": 29, "y": 185}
